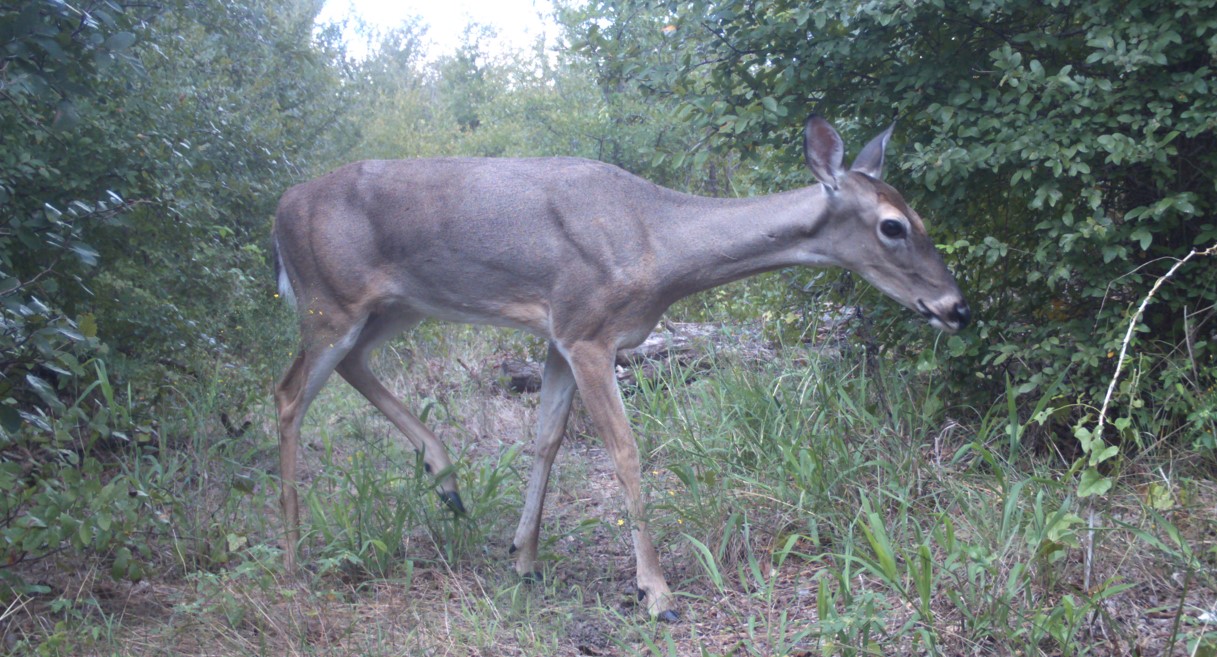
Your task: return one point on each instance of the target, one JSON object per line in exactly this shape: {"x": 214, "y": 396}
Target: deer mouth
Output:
{"x": 954, "y": 320}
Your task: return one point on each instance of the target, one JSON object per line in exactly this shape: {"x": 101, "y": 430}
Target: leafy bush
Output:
{"x": 56, "y": 400}
{"x": 142, "y": 148}
{"x": 1062, "y": 153}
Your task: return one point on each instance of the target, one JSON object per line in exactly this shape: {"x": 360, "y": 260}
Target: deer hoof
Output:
{"x": 453, "y": 500}
{"x": 534, "y": 577}
{"x": 666, "y": 616}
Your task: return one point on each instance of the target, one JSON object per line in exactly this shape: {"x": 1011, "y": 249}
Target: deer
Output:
{"x": 578, "y": 252}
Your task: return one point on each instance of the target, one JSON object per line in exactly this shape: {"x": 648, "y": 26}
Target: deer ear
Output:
{"x": 870, "y": 160}
{"x": 824, "y": 150}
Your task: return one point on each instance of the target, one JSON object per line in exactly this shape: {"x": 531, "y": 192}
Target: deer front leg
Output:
{"x": 593, "y": 368}
{"x": 557, "y": 391}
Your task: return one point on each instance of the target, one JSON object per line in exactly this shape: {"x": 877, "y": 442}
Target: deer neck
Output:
{"x": 701, "y": 242}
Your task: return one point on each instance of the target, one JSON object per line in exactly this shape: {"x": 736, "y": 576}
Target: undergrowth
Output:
{"x": 809, "y": 505}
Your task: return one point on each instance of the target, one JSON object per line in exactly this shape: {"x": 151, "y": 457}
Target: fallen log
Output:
{"x": 683, "y": 346}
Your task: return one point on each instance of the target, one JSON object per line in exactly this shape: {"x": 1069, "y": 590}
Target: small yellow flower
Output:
{"x": 276, "y": 295}
{"x": 620, "y": 522}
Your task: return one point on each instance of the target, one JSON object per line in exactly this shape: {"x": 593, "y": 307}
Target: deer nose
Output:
{"x": 960, "y": 314}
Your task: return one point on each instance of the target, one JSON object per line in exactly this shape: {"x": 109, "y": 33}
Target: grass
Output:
{"x": 803, "y": 506}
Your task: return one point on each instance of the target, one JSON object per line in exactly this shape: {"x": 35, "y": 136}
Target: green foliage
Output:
{"x": 50, "y": 69}
{"x": 1059, "y": 150}
{"x": 141, "y": 152}
{"x": 58, "y": 495}
{"x": 57, "y": 402}
{"x": 816, "y": 464}
{"x": 224, "y": 132}
{"x": 644, "y": 124}
{"x": 363, "y": 514}
{"x": 366, "y": 511}
{"x": 486, "y": 102}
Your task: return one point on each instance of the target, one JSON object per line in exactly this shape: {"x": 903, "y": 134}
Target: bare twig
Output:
{"x": 1111, "y": 387}
{"x": 1132, "y": 326}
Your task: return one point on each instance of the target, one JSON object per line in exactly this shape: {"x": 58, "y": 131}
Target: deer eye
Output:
{"x": 891, "y": 228}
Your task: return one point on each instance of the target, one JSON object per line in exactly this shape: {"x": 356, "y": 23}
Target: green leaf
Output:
{"x": 10, "y": 419}
{"x": 120, "y": 41}
{"x": 1103, "y": 454}
{"x": 1084, "y": 436}
{"x": 87, "y": 324}
{"x": 236, "y": 541}
{"x": 956, "y": 346}
{"x": 770, "y": 104}
{"x": 66, "y": 116}
{"x": 86, "y": 253}
{"x": 708, "y": 562}
{"x": 1142, "y": 235}
{"x": 1093, "y": 483}
{"x": 45, "y": 392}
{"x": 876, "y": 535}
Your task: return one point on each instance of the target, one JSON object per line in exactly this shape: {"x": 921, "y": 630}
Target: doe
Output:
{"x": 578, "y": 252}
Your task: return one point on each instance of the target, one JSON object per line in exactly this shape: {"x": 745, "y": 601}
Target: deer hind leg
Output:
{"x": 592, "y": 364}
{"x": 293, "y": 394}
{"x": 557, "y": 391}
{"x": 354, "y": 368}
